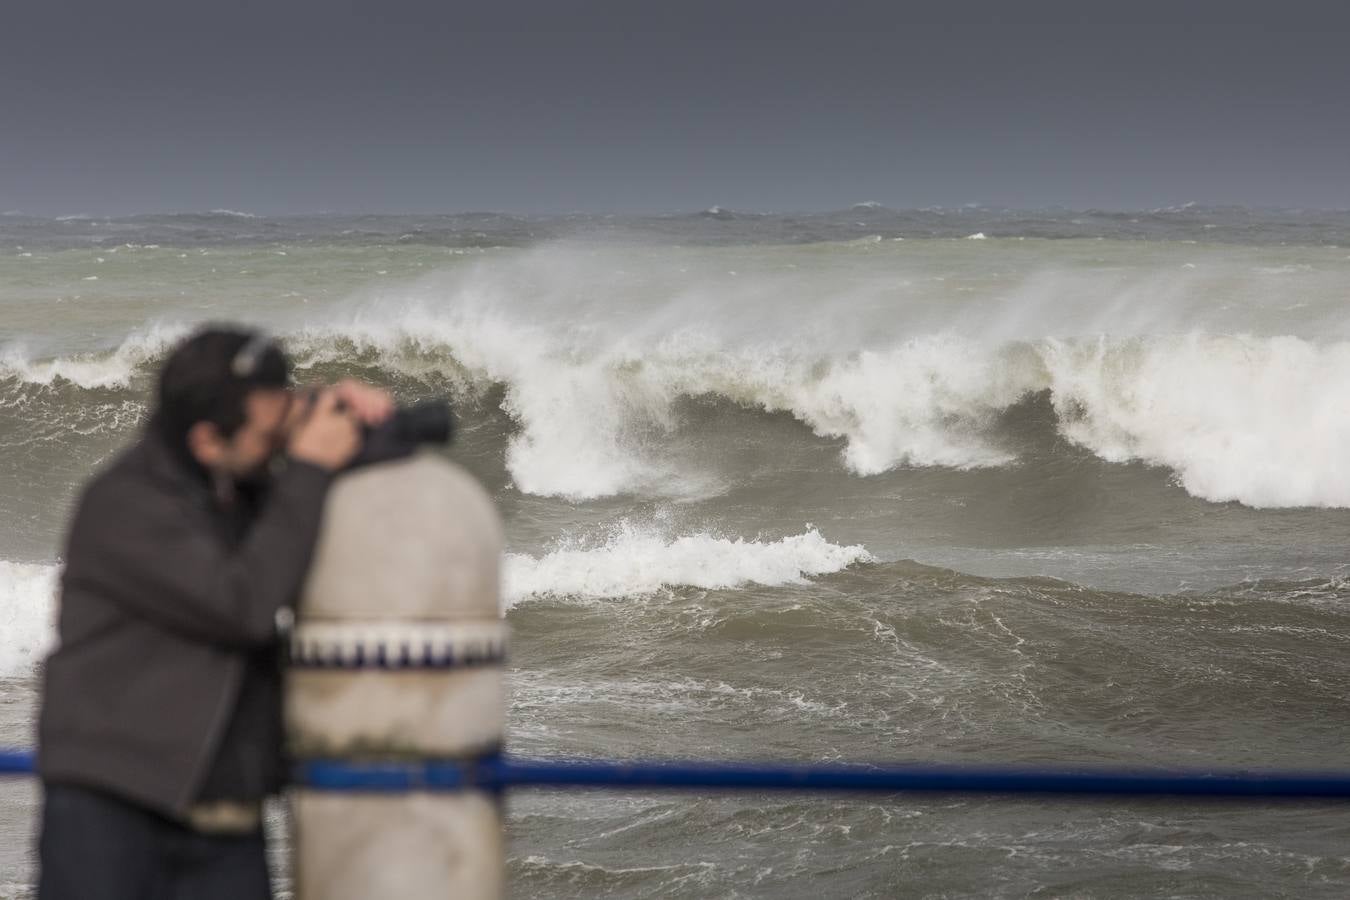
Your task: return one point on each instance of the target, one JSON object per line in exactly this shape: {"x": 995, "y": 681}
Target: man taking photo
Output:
{"x": 160, "y": 731}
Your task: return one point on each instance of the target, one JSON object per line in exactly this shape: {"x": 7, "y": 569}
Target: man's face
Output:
{"x": 246, "y": 452}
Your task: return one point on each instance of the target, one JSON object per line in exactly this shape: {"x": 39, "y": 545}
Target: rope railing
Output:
{"x": 16, "y": 762}
{"x": 502, "y": 772}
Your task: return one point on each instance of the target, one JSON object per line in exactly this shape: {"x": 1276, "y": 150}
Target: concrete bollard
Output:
{"x": 397, "y": 655}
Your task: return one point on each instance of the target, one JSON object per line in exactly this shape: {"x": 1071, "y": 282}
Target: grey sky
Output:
{"x": 414, "y": 105}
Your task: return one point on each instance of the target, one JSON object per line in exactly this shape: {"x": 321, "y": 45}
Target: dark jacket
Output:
{"x": 168, "y": 603}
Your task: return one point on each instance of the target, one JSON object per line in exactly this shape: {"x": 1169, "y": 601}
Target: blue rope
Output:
{"x": 499, "y": 772}
{"x": 16, "y": 762}
{"x": 914, "y": 778}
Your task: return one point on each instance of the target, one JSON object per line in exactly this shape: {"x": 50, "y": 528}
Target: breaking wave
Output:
{"x": 628, "y": 561}
{"x": 1241, "y": 418}
{"x": 26, "y": 610}
{"x": 112, "y": 369}
{"x": 592, "y": 353}
{"x": 635, "y": 561}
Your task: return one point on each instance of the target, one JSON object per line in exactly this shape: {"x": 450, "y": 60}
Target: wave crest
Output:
{"x": 1262, "y": 421}
{"x": 1252, "y": 419}
{"x": 633, "y": 561}
{"x": 1258, "y": 420}
{"x": 108, "y": 369}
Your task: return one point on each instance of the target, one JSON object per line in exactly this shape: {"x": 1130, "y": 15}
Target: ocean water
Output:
{"x": 964, "y": 486}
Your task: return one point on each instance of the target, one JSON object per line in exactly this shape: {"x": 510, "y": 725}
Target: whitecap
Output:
{"x": 113, "y": 369}
{"x": 635, "y": 561}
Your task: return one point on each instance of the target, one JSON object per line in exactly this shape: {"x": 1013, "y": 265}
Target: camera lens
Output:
{"x": 429, "y": 422}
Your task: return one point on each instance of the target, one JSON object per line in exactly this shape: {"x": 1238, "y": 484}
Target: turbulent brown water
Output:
{"x": 837, "y": 487}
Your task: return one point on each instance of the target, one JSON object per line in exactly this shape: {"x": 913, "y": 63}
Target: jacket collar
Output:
{"x": 169, "y": 464}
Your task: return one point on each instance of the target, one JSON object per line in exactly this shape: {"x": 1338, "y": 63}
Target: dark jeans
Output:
{"x": 96, "y": 847}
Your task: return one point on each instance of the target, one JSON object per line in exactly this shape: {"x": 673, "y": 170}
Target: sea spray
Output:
{"x": 908, "y": 356}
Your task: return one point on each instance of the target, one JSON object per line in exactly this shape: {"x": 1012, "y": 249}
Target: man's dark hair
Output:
{"x": 208, "y": 377}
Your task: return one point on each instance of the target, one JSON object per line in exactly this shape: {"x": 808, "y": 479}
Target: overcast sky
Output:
{"x": 429, "y": 105}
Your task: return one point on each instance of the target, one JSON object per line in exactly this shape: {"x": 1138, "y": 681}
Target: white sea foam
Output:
{"x": 629, "y": 561}
{"x": 27, "y": 606}
{"x": 922, "y": 402}
{"x": 592, "y": 419}
{"x": 634, "y": 561}
{"x": 575, "y": 408}
{"x": 1264, "y": 421}
{"x": 233, "y": 212}
{"x": 113, "y": 369}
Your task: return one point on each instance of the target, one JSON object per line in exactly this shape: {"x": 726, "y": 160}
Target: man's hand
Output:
{"x": 370, "y": 405}
{"x": 328, "y": 437}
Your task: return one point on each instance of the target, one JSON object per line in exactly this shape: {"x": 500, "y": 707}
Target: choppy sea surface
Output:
{"x": 1054, "y": 488}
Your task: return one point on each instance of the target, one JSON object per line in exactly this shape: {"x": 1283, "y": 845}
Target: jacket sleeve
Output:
{"x": 160, "y": 558}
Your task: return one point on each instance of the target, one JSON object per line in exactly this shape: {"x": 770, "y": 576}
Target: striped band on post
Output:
{"x": 398, "y": 645}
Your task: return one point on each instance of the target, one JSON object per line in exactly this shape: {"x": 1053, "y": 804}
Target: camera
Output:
{"x": 410, "y": 427}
